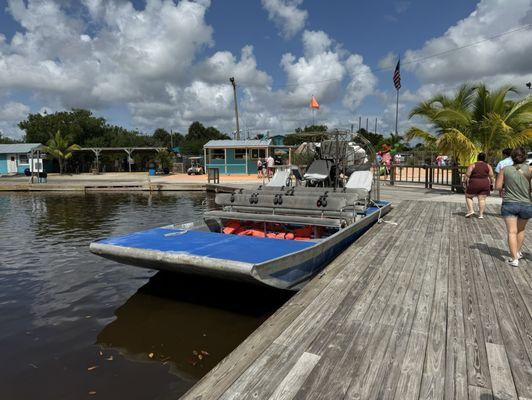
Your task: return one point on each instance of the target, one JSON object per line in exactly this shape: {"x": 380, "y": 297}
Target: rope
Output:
{"x": 379, "y": 219}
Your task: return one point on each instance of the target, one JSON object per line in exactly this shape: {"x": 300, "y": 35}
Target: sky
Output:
{"x": 147, "y": 64}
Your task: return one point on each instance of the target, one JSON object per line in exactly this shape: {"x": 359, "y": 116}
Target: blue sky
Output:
{"x": 165, "y": 64}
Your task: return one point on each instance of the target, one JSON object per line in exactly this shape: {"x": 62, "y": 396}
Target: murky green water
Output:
{"x": 75, "y": 326}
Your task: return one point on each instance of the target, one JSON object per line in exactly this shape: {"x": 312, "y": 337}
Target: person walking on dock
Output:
{"x": 259, "y": 168}
{"x": 516, "y": 209}
{"x": 507, "y": 160}
{"x": 270, "y": 162}
{"x": 478, "y": 180}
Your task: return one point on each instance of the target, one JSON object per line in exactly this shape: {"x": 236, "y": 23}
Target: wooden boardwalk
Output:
{"x": 425, "y": 309}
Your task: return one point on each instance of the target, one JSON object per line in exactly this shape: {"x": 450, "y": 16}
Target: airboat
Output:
{"x": 280, "y": 234}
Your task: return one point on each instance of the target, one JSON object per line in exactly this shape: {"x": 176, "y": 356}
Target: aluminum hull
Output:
{"x": 285, "y": 265}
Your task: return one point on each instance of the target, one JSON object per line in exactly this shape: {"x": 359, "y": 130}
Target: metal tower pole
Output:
{"x": 232, "y": 80}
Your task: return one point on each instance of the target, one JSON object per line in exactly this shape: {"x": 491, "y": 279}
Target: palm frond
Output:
{"x": 464, "y": 97}
{"x": 423, "y": 109}
{"x": 455, "y": 142}
{"x": 498, "y": 98}
{"x": 523, "y": 138}
{"x": 416, "y": 133}
{"x": 521, "y": 112}
{"x": 452, "y": 116}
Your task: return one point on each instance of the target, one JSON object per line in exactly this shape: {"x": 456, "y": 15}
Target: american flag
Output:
{"x": 397, "y": 76}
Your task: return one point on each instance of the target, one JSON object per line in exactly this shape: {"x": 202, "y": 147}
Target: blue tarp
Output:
{"x": 210, "y": 244}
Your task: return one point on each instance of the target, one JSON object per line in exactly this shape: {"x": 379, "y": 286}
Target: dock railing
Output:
{"x": 428, "y": 175}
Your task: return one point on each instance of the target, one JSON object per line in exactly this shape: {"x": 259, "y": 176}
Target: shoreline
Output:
{"x": 124, "y": 182}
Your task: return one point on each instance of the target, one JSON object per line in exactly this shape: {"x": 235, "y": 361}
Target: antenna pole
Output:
{"x": 232, "y": 80}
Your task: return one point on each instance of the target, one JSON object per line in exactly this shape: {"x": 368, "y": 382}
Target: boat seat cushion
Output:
{"x": 360, "y": 180}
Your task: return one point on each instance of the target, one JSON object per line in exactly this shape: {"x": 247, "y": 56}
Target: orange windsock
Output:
{"x": 314, "y": 103}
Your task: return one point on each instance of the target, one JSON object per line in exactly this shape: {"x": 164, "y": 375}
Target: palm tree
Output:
{"x": 59, "y": 148}
{"x": 475, "y": 119}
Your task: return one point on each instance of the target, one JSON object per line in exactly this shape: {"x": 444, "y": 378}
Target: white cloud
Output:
{"x": 506, "y": 59}
{"x": 130, "y": 55}
{"x": 11, "y": 113}
{"x": 362, "y": 83}
{"x": 108, "y": 53}
{"x": 286, "y": 15}
{"x": 388, "y": 61}
{"x": 319, "y": 72}
{"x": 223, "y": 64}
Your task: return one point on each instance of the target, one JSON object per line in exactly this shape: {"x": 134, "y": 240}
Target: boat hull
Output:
{"x": 278, "y": 263}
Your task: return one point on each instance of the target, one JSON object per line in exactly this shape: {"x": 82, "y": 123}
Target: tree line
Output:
{"x": 83, "y": 128}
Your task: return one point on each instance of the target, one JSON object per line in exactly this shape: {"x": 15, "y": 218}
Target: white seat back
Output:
{"x": 280, "y": 178}
{"x": 360, "y": 180}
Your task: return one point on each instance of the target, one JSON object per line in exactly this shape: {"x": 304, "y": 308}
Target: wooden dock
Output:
{"x": 425, "y": 309}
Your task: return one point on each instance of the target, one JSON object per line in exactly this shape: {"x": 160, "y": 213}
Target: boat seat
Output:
{"x": 360, "y": 182}
{"x": 275, "y": 201}
{"x": 317, "y": 192}
{"x": 282, "y": 219}
{"x": 319, "y": 170}
{"x": 280, "y": 178}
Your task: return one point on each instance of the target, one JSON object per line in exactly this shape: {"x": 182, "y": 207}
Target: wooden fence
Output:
{"x": 428, "y": 175}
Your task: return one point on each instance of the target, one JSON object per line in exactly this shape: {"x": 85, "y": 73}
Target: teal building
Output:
{"x": 15, "y": 158}
{"x": 236, "y": 156}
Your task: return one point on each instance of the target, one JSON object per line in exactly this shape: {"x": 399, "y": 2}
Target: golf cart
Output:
{"x": 195, "y": 168}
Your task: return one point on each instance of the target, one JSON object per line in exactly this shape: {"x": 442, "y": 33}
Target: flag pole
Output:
{"x": 397, "y": 85}
{"x": 396, "y": 111}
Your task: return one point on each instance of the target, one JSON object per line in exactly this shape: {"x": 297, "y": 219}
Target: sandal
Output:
{"x": 469, "y": 215}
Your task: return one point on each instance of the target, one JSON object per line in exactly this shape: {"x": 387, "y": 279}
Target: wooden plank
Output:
{"x": 486, "y": 308}
{"x": 455, "y": 361}
{"x": 390, "y": 370}
{"x": 476, "y": 356}
{"x": 409, "y": 383}
{"x": 480, "y": 393}
{"x": 411, "y": 370}
{"x": 433, "y": 381}
{"x": 295, "y": 378}
{"x": 365, "y": 373}
{"x": 502, "y": 383}
{"x": 402, "y": 306}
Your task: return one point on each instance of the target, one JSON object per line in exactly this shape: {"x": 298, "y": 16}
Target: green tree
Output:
{"x": 78, "y": 124}
{"x": 7, "y": 140}
{"x": 58, "y": 147}
{"x": 161, "y": 137}
{"x": 311, "y": 133}
{"x": 197, "y": 136}
{"x": 475, "y": 119}
{"x": 376, "y": 139}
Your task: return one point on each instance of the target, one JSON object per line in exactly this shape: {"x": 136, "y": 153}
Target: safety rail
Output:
{"x": 429, "y": 175}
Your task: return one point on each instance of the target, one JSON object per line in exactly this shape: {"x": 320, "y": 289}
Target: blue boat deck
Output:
{"x": 210, "y": 244}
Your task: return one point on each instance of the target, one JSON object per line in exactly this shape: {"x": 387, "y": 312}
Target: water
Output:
{"x": 74, "y": 325}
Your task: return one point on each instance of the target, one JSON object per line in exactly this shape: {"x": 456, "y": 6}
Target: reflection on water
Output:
{"x": 73, "y": 325}
{"x": 189, "y": 323}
